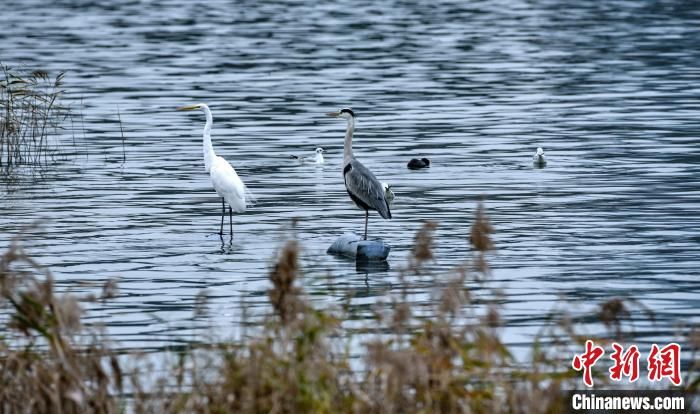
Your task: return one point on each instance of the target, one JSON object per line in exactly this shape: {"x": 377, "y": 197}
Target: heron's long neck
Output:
{"x": 347, "y": 154}
{"x": 209, "y": 153}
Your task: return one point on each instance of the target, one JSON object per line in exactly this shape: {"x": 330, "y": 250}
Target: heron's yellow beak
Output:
{"x": 187, "y": 108}
{"x": 333, "y": 114}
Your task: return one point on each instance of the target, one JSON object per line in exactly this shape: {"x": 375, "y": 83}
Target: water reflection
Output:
{"x": 227, "y": 245}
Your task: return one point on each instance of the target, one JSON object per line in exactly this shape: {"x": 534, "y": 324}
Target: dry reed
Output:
{"x": 31, "y": 116}
{"x": 448, "y": 358}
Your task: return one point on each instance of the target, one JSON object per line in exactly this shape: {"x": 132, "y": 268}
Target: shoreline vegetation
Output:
{"x": 31, "y": 118}
{"x": 446, "y": 356}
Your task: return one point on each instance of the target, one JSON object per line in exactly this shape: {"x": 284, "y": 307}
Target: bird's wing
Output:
{"x": 227, "y": 184}
{"x": 362, "y": 184}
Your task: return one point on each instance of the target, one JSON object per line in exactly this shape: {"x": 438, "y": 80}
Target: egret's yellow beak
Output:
{"x": 333, "y": 114}
{"x": 187, "y": 108}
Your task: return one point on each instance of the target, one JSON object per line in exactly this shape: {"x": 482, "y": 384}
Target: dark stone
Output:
{"x": 352, "y": 245}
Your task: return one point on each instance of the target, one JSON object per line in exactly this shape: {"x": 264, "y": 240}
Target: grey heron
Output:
{"x": 318, "y": 159}
{"x": 538, "y": 159}
{"x": 363, "y": 187}
{"x": 224, "y": 178}
{"x": 417, "y": 164}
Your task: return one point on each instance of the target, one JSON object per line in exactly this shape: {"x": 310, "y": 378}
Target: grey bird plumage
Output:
{"x": 362, "y": 186}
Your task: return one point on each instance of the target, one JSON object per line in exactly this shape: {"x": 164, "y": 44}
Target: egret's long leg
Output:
{"x": 230, "y": 220}
{"x": 223, "y": 211}
{"x": 366, "y": 219}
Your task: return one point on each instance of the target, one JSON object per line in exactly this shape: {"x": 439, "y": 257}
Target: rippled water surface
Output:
{"x": 610, "y": 90}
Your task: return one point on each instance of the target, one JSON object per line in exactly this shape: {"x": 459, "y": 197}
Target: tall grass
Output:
{"x": 31, "y": 115}
{"x": 446, "y": 356}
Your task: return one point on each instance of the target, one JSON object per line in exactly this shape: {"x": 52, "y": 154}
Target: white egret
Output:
{"x": 538, "y": 159}
{"x": 318, "y": 159}
{"x": 223, "y": 176}
{"x": 417, "y": 164}
{"x": 363, "y": 187}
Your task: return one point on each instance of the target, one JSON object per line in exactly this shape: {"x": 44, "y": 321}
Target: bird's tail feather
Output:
{"x": 250, "y": 199}
{"x": 385, "y": 212}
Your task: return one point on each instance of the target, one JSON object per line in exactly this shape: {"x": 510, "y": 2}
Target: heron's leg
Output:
{"x": 230, "y": 220}
{"x": 223, "y": 211}
{"x": 366, "y": 219}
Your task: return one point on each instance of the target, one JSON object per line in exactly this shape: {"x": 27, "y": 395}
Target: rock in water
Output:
{"x": 352, "y": 245}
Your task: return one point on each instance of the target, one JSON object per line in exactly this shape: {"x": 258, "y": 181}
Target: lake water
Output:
{"x": 610, "y": 90}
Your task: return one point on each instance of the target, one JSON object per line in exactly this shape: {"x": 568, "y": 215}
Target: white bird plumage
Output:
{"x": 538, "y": 159}
{"x": 388, "y": 193}
{"x": 317, "y": 159}
{"x": 319, "y": 155}
{"x": 226, "y": 182}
